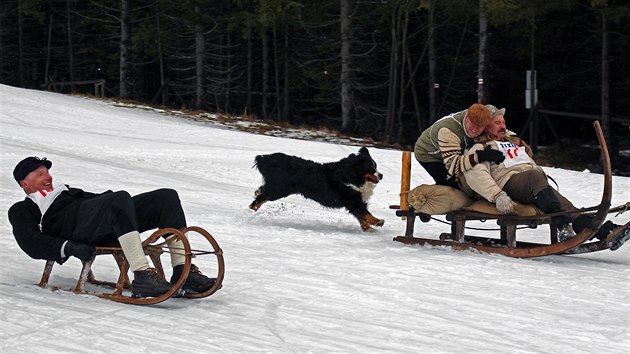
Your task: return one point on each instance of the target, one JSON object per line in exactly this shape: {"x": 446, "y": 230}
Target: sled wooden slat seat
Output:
{"x": 507, "y": 244}
{"x": 154, "y": 247}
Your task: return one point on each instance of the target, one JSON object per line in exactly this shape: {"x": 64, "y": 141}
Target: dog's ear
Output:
{"x": 364, "y": 151}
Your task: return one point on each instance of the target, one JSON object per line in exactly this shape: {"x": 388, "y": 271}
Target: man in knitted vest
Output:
{"x": 440, "y": 147}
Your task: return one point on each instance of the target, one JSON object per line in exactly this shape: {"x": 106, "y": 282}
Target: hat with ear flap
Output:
{"x": 479, "y": 115}
{"x": 494, "y": 111}
{"x": 28, "y": 165}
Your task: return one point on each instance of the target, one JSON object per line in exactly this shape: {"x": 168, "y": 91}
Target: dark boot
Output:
{"x": 547, "y": 201}
{"x": 620, "y": 239}
{"x": 148, "y": 283}
{"x": 196, "y": 281}
{"x": 583, "y": 221}
{"x": 605, "y": 229}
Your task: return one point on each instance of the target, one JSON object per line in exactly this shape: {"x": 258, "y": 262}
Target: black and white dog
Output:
{"x": 347, "y": 183}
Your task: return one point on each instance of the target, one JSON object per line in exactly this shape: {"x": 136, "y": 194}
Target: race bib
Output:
{"x": 514, "y": 155}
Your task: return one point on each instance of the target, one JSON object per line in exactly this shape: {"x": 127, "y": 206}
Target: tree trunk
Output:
{"x": 20, "y": 46}
{"x": 606, "y": 118}
{"x": 403, "y": 64}
{"x": 433, "y": 84}
{"x": 344, "y": 79}
{"x": 124, "y": 49}
{"x": 265, "y": 73}
{"x": 276, "y": 69}
{"x": 200, "y": 49}
{"x": 285, "y": 106}
{"x": 482, "y": 95}
{"x": 70, "y": 56}
{"x": 46, "y": 72}
{"x": 228, "y": 67}
{"x": 392, "y": 99}
{"x": 250, "y": 59}
{"x": 160, "y": 56}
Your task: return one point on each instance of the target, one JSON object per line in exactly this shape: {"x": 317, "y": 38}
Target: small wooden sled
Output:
{"x": 508, "y": 244}
{"x": 154, "y": 246}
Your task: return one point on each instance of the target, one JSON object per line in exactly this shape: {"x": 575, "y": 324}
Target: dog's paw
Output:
{"x": 365, "y": 225}
{"x": 368, "y": 229}
{"x": 255, "y": 206}
{"x": 371, "y": 220}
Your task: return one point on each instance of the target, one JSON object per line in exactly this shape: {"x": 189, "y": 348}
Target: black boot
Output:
{"x": 583, "y": 221}
{"x": 196, "y": 281}
{"x": 620, "y": 239}
{"x": 547, "y": 201}
{"x": 148, "y": 283}
{"x": 605, "y": 229}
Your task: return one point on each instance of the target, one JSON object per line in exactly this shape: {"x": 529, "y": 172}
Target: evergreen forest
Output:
{"x": 381, "y": 69}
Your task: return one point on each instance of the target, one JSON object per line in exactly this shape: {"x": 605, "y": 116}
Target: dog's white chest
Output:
{"x": 366, "y": 190}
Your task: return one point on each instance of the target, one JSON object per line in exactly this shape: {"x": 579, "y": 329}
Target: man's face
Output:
{"x": 472, "y": 130}
{"x": 497, "y": 126}
{"x": 37, "y": 179}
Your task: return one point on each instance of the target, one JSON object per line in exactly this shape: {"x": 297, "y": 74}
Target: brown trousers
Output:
{"x": 524, "y": 186}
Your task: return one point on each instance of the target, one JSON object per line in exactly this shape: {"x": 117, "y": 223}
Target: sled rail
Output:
{"x": 507, "y": 244}
{"x": 153, "y": 248}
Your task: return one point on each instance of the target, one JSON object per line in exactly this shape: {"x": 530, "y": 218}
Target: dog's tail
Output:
{"x": 263, "y": 162}
{"x": 276, "y": 163}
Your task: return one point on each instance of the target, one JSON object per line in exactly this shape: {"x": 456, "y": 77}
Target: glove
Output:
{"x": 82, "y": 251}
{"x": 504, "y": 203}
{"x": 488, "y": 154}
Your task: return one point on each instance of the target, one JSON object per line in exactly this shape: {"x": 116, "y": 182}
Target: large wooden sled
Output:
{"x": 507, "y": 244}
{"x": 154, "y": 246}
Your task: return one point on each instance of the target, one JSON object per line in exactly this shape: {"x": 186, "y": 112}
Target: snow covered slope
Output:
{"x": 299, "y": 277}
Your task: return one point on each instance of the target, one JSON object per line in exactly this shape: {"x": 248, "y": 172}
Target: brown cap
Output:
{"x": 479, "y": 115}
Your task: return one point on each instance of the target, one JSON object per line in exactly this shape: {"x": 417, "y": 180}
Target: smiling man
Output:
{"x": 519, "y": 178}
{"x": 56, "y": 221}
{"x": 440, "y": 147}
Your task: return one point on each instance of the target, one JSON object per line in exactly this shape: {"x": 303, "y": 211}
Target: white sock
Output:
{"x": 176, "y": 247}
{"x": 132, "y": 248}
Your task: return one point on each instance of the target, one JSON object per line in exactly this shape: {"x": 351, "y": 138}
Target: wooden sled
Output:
{"x": 154, "y": 246}
{"x": 508, "y": 244}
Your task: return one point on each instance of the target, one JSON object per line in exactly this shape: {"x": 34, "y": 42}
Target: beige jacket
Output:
{"x": 487, "y": 178}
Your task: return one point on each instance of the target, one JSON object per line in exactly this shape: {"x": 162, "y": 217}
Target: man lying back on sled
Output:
{"x": 519, "y": 178}
{"x": 56, "y": 221}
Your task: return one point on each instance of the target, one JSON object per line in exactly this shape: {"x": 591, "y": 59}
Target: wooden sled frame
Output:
{"x": 507, "y": 244}
{"x": 154, "y": 249}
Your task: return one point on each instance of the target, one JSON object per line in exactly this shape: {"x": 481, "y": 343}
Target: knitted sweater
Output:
{"x": 445, "y": 141}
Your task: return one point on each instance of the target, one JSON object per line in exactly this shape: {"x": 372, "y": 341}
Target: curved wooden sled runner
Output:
{"x": 154, "y": 246}
{"x": 507, "y": 244}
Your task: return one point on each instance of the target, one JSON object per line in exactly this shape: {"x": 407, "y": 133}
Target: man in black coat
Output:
{"x": 56, "y": 221}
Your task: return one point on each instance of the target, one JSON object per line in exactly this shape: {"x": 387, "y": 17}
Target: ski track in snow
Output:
{"x": 299, "y": 277}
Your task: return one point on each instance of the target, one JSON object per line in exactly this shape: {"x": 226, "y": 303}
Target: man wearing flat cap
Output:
{"x": 56, "y": 221}
{"x": 440, "y": 147}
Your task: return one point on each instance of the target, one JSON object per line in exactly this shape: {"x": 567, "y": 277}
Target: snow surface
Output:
{"x": 299, "y": 278}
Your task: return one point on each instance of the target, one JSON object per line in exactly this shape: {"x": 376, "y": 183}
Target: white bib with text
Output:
{"x": 514, "y": 155}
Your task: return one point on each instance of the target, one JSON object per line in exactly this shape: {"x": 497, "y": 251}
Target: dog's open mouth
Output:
{"x": 374, "y": 178}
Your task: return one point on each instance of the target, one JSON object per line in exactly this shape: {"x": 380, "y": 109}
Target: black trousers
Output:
{"x": 438, "y": 171}
{"x": 101, "y": 220}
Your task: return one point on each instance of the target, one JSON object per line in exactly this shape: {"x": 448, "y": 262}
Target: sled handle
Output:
{"x": 405, "y": 180}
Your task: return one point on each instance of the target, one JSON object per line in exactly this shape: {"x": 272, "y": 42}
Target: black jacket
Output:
{"x": 56, "y": 227}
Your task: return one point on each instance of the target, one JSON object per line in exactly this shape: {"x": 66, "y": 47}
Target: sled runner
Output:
{"x": 507, "y": 244}
{"x": 154, "y": 246}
